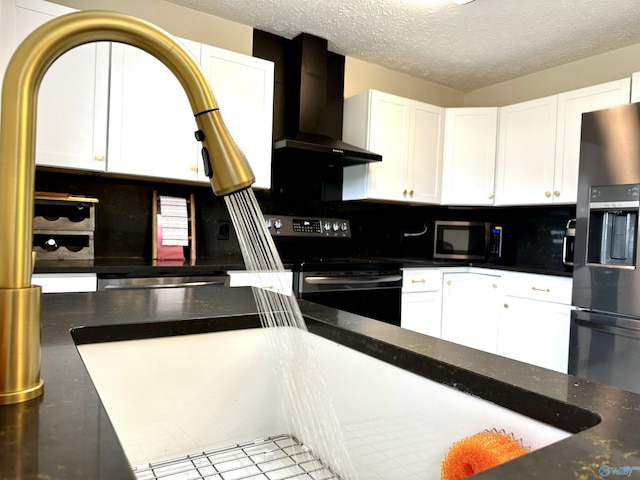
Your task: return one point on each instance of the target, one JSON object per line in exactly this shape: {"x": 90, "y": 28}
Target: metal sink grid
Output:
{"x": 281, "y": 457}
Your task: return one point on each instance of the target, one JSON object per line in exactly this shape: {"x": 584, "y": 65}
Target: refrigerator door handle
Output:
{"x": 607, "y": 327}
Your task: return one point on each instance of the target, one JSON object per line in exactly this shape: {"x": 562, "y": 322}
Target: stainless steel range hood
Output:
{"x": 314, "y": 80}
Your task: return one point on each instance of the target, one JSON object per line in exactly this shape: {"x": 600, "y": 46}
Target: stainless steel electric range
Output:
{"x": 323, "y": 272}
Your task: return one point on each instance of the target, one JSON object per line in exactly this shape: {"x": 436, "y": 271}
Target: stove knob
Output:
{"x": 327, "y": 226}
{"x": 336, "y": 226}
{"x": 344, "y": 226}
{"x": 268, "y": 222}
{"x": 278, "y": 224}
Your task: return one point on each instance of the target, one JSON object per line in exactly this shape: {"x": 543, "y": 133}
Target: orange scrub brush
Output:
{"x": 480, "y": 452}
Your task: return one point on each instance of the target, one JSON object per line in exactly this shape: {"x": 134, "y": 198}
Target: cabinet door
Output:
{"x": 378, "y": 122}
{"x": 66, "y": 282}
{"x": 526, "y": 152}
{"x": 72, "y": 101}
{"x": 280, "y": 282}
{"x": 421, "y": 312}
{"x": 422, "y": 300}
{"x": 469, "y": 156}
{"x": 571, "y": 106}
{"x": 423, "y": 175}
{"x": 635, "y": 87}
{"x": 151, "y": 124}
{"x": 243, "y": 87}
{"x": 388, "y": 133}
{"x": 470, "y": 303}
{"x": 535, "y": 332}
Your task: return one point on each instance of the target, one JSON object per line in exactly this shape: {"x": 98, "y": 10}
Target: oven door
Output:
{"x": 369, "y": 294}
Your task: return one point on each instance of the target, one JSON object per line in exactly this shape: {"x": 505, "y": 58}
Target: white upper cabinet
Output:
{"x": 571, "y": 106}
{"x": 151, "y": 124}
{"x": 73, "y": 97}
{"x": 408, "y": 134}
{"x": 635, "y": 87}
{"x": 151, "y": 129}
{"x": 539, "y": 144}
{"x": 378, "y": 122}
{"x": 113, "y": 95}
{"x": 243, "y": 87}
{"x": 423, "y": 178}
{"x": 469, "y": 156}
{"x": 526, "y": 152}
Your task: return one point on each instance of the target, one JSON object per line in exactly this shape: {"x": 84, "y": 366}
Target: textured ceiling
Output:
{"x": 464, "y": 47}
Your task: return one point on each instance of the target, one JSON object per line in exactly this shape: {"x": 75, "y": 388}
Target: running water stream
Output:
{"x": 304, "y": 393}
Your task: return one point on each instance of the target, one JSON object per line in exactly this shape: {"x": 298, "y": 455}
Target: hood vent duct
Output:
{"x": 313, "y": 104}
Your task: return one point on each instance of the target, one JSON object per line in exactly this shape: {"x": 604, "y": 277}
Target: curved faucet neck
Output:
{"x": 20, "y": 314}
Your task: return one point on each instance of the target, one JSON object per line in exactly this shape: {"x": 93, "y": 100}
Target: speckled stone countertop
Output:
{"x": 214, "y": 266}
{"x": 141, "y": 267}
{"x": 66, "y": 434}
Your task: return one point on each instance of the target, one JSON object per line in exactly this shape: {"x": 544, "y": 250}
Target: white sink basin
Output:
{"x": 173, "y": 396}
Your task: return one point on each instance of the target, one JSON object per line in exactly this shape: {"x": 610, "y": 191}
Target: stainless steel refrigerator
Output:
{"x": 605, "y": 326}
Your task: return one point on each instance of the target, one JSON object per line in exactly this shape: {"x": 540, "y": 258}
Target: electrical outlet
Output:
{"x": 223, "y": 230}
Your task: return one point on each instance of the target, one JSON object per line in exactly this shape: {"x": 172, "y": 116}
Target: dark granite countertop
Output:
{"x": 416, "y": 262}
{"x": 66, "y": 434}
{"x": 141, "y": 267}
{"x": 213, "y": 266}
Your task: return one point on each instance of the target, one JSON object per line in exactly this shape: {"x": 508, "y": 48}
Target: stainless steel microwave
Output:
{"x": 459, "y": 240}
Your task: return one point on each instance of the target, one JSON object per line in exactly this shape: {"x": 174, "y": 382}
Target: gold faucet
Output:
{"x": 20, "y": 306}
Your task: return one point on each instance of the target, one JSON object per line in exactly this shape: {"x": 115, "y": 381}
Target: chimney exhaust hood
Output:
{"x": 314, "y": 86}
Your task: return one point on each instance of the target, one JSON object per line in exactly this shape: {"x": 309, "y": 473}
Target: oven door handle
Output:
{"x": 150, "y": 286}
{"x": 355, "y": 280}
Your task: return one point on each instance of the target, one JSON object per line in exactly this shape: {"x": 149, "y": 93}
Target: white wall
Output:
{"x": 602, "y": 68}
{"x": 179, "y": 21}
{"x": 361, "y": 76}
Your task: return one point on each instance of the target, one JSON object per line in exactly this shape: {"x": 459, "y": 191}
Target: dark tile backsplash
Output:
{"x": 123, "y": 214}
{"x": 533, "y": 235}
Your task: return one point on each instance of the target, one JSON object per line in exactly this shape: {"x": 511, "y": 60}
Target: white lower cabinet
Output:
{"x": 470, "y": 303}
{"x": 522, "y": 316}
{"x": 422, "y": 300}
{"x": 280, "y": 282}
{"x": 66, "y": 282}
{"x": 535, "y": 320}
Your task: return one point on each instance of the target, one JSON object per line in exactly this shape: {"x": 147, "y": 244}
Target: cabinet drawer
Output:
{"x": 539, "y": 287}
{"x": 281, "y": 282}
{"x": 421, "y": 280}
{"x": 66, "y": 282}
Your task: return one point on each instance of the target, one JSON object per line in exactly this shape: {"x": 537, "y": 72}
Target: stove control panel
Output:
{"x": 293, "y": 226}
